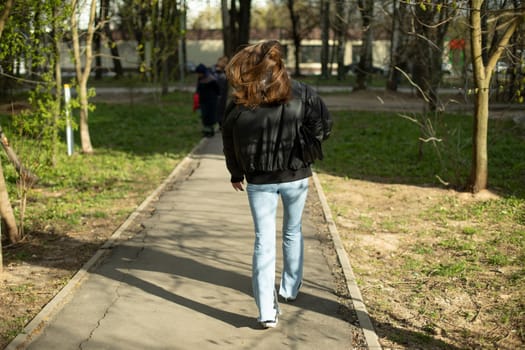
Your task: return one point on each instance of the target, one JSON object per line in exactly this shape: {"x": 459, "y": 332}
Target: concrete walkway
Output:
{"x": 183, "y": 280}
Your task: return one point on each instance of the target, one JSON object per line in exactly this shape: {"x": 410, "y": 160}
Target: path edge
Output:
{"x": 363, "y": 317}
{"x": 47, "y": 313}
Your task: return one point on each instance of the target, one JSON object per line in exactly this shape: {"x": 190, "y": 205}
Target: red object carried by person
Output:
{"x": 195, "y": 101}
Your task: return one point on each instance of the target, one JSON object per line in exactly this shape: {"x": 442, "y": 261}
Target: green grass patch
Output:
{"x": 422, "y": 249}
{"x": 14, "y": 326}
{"x": 386, "y": 147}
{"x": 469, "y": 231}
{"x": 454, "y": 250}
{"x": 455, "y": 269}
{"x": 136, "y": 146}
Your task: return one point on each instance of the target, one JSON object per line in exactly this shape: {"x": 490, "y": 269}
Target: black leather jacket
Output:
{"x": 276, "y": 143}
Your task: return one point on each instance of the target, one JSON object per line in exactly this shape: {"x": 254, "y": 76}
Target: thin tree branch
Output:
{"x": 425, "y": 97}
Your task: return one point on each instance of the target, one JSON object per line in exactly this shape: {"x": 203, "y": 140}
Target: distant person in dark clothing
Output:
{"x": 223, "y": 86}
{"x": 209, "y": 91}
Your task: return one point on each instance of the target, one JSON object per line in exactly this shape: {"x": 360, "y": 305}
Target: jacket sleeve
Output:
{"x": 235, "y": 169}
{"x": 317, "y": 118}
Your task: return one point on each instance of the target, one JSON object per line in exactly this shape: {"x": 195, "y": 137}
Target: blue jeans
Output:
{"x": 263, "y": 201}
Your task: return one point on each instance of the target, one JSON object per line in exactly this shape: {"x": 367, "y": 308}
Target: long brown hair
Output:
{"x": 258, "y": 75}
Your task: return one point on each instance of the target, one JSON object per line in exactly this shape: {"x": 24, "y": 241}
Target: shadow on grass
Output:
{"x": 50, "y": 250}
{"x": 408, "y": 339}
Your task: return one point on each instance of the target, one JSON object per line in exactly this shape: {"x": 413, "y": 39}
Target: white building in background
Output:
{"x": 206, "y": 46}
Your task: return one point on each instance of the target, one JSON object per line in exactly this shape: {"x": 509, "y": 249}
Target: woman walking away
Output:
{"x": 272, "y": 133}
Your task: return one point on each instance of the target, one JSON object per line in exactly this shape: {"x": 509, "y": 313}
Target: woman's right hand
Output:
{"x": 238, "y": 186}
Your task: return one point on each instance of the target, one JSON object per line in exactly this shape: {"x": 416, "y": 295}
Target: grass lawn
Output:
{"x": 438, "y": 268}
{"x": 387, "y": 147}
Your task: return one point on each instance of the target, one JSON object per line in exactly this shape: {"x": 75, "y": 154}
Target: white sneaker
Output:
{"x": 269, "y": 324}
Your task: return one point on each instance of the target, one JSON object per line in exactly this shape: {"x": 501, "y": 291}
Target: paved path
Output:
{"x": 183, "y": 281}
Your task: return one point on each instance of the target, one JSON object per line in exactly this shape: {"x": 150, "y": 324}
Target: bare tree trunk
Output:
{"x": 366, "y": 7}
{"x": 341, "y": 29}
{"x": 22, "y": 171}
{"x": 295, "y": 37}
{"x": 226, "y": 30}
{"x": 6, "y": 211}
{"x": 183, "y": 37}
{"x": 164, "y": 79}
{"x": 85, "y": 137}
{"x": 239, "y": 25}
{"x": 155, "y": 41}
{"x": 234, "y": 27}
{"x": 5, "y": 14}
{"x": 393, "y": 74}
{"x": 325, "y": 36}
{"x": 57, "y": 39}
{"x": 97, "y": 40}
{"x": 479, "y": 169}
{"x": 244, "y": 21}
{"x": 482, "y": 76}
{"x": 163, "y": 46}
{"x": 83, "y": 72}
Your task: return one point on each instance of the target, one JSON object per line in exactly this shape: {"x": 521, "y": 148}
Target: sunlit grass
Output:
{"x": 135, "y": 147}
{"x": 454, "y": 261}
{"x": 386, "y": 147}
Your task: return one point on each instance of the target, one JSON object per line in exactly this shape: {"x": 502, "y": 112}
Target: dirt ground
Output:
{"x": 382, "y": 226}
{"x": 41, "y": 265}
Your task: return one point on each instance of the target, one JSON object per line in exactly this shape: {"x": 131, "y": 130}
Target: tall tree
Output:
{"x": 303, "y": 17}
{"x": 491, "y": 27}
{"x": 237, "y": 33}
{"x": 364, "y": 67}
{"x": 83, "y": 60}
{"x": 294, "y": 18}
{"x": 226, "y": 30}
{"x": 482, "y": 70}
{"x": 325, "y": 37}
{"x": 243, "y": 17}
{"x": 395, "y": 44}
{"x": 341, "y": 25}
